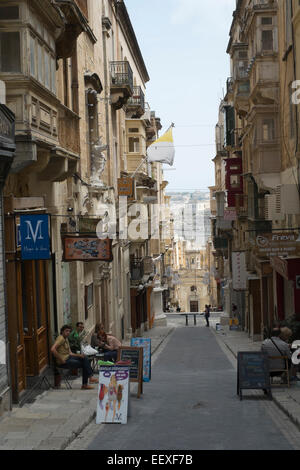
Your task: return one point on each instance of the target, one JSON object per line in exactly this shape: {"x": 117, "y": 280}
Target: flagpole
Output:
{"x": 140, "y": 165}
{"x": 144, "y": 159}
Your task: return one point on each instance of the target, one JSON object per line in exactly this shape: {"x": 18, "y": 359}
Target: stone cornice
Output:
{"x": 126, "y": 25}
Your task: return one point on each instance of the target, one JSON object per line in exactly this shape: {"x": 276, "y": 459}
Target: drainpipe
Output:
{"x": 107, "y": 102}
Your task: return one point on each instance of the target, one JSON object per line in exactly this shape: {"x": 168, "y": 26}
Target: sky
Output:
{"x": 183, "y": 43}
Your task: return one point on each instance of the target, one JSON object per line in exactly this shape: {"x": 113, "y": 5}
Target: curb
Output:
{"x": 276, "y": 400}
{"x": 90, "y": 418}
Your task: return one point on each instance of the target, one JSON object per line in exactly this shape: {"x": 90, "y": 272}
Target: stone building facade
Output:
{"x": 76, "y": 81}
{"x": 256, "y": 193}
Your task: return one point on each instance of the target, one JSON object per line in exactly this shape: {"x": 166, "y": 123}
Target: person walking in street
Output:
{"x": 67, "y": 360}
{"x": 207, "y": 314}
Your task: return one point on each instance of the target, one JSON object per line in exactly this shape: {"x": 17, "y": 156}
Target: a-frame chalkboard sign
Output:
{"x": 253, "y": 372}
{"x": 135, "y": 357}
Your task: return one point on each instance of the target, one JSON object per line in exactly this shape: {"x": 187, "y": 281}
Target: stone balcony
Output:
{"x": 47, "y": 132}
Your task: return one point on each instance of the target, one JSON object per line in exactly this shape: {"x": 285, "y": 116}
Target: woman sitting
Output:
{"x": 96, "y": 341}
{"x": 108, "y": 343}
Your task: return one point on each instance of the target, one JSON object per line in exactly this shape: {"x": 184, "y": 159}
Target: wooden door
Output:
{"x": 35, "y": 315}
{"x": 194, "y": 306}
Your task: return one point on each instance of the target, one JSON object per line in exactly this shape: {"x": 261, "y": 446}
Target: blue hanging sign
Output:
{"x": 35, "y": 239}
{"x": 144, "y": 343}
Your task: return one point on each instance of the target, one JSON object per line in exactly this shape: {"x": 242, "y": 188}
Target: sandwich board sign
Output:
{"x": 113, "y": 395}
{"x": 135, "y": 357}
{"x": 253, "y": 372}
{"x": 145, "y": 343}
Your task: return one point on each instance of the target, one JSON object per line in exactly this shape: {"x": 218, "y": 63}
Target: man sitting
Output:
{"x": 68, "y": 360}
{"x": 75, "y": 338}
{"x": 276, "y": 346}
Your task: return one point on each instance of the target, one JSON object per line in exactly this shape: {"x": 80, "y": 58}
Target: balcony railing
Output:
{"x": 121, "y": 74}
{"x": 138, "y": 99}
{"x": 236, "y": 138}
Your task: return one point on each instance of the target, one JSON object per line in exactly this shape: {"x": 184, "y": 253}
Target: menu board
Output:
{"x": 253, "y": 372}
{"x": 87, "y": 249}
{"x": 145, "y": 343}
{"x": 113, "y": 395}
{"x": 135, "y": 356}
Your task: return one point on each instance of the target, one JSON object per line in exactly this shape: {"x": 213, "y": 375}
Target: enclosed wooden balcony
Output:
{"x": 121, "y": 83}
{"x": 68, "y": 130}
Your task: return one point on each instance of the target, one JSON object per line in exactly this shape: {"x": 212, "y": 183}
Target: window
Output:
{"x": 133, "y": 130}
{"x": 234, "y": 181}
{"x": 292, "y": 110}
{"x": 267, "y": 20}
{"x": 40, "y": 63}
{"x": 9, "y": 13}
{"x": 47, "y": 70}
{"x": 134, "y": 144}
{"x": 267, "y": 40}
{"x": 53, "y": 75}
{"x": 10, "y": 60}
{"x": 268, "y": 128}
{"x": 288, "y": 25}
{"x": 32, "y": 57}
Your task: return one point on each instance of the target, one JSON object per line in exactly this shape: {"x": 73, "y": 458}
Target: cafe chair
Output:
{"x": 60, "y": 373}
{"x": 282, "y": 372}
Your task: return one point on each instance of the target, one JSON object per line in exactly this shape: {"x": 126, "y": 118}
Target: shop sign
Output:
{"x": 280, "y": 266}
{"x": 126, "y": 188}
{"x": 268, "y": 245}
{"x": 88, "y": 225}
{"x": 87, "y": 249}
{"x": 239, "y": 272}
{"x": 35, "y": 238}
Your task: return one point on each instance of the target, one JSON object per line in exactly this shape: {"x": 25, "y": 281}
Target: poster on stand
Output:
{"x": 144, "y": 343}
{"x": 113, "y": 395}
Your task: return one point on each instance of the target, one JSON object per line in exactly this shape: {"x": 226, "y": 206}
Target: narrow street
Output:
{"x": 191, "y": 404}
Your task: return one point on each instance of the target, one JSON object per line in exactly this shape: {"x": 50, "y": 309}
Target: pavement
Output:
{"x": 58, "y": 416}
{"x": 287, "y": 399}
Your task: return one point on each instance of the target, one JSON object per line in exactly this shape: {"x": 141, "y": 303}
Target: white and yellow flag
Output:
{"x": 162, "y": 150}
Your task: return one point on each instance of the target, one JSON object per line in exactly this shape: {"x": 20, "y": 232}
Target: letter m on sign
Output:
{"x": 35, "y": 238}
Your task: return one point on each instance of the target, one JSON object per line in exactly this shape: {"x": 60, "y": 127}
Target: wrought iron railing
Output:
{"x": 121, "y": 74}
{"x": 138, "y": 98}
